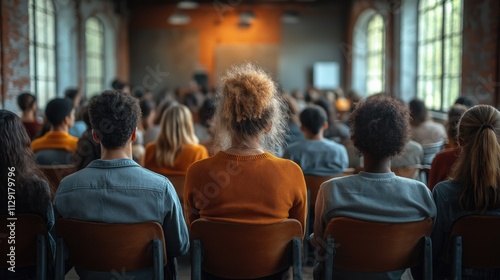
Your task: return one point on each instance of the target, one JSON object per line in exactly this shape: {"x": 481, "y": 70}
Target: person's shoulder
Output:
{"x": 447, "y": 188}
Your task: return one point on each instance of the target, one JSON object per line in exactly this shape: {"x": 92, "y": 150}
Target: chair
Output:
{"x": 178, "y": 182}
{"x": 313, "y": 183}
{"x": 53, "y": 157}
{"x": 474, "y": 243}
{"x": 363, "y": 246}
{"x": 243, "y": 251}
{"x": 107, "y": 247}
{"x": 55, "y": 173}
{"x": 31, "y": 242}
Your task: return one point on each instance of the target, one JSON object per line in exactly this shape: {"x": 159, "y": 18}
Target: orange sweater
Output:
{"x": 255, "y": 189}
{"x": 55, "y": 140}
{"x": 188, "y": 155}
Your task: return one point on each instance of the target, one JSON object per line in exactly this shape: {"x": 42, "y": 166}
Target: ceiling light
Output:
{"x": 290, "y": 17}
{"x": 187, "y": 5}
{"x": 178, "y": 18}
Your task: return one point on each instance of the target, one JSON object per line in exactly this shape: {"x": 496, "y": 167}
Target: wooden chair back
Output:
{"x": 29, "y": 232}
{"x": 55, "y": 173}
{"x": 356, "y": 245}
{"x": 178, "y": 181}
{"x": 475, "y": 243}
{"x": 104, "y": 247}
{"x": 243, "y": 251}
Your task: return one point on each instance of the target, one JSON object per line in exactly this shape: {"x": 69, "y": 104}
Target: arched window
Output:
{"x": 439, "y": 52}
{"x": 42, "y": 38}
{"x": 368, "y": 52}
{"x": 375, "y": 56}
{"x": 94, "y": 53}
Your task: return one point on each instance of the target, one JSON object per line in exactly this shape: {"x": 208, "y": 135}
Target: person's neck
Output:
{"x": 60, "y": 128}
{"x": 374, "y": 165}
{"x": 119, "y": 153}
{"x": 28, "y": 116}
{"x": 309, "y": 136}
{"x": 248, "y": 147}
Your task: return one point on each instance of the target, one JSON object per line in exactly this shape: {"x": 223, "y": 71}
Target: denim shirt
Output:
{"x": 121, "y": 191}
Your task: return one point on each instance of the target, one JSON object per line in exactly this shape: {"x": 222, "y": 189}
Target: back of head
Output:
{"x": 454, "y": 115}
{"x": 207, "y": 111}
{"x": 114, "y": 117}
{"x": 418, "y": 112}
{"x": 71, "y": 93}
{"x": 57, "y": 110}
{"x": 147, "y": 107}
{"x": 478, "y": 165}
{"x": 313, "y": 118}
{"x": 25, "y": 101}
{"x": 380, "y": 126}
{"x": 247, "y": 106}
{"x": 466, "y": 101}
{"x": 176, "y": 129}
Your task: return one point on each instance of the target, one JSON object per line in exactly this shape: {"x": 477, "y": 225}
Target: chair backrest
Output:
{"x": 55, "y": 173}
{"x": 376, "y": 247}
{"x": 430, "y": 151}
{"x": 480, "y": 244}
{"x": 104, "y": 247}
{"x": 53, "y": 157}
{"x": 243, "y": 251}
{"x": 178, "y": 182}
{"x": 31, "y": 243}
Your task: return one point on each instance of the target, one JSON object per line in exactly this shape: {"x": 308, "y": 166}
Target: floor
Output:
{"x": 185, "y": 272}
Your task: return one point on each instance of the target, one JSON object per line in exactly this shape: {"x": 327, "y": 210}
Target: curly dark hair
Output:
{"x": 380, "y": 126}
{"x": 114, "y": 116}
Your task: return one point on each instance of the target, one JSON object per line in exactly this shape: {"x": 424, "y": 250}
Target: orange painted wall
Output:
{"x": 215, "y": 28}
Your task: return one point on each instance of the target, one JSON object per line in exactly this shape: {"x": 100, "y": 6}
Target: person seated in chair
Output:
{"x": 118, "y": 189}
{"x": 316, "y": 155}
{"x": 380, "y": 130}
{"x": 61, "y": 117}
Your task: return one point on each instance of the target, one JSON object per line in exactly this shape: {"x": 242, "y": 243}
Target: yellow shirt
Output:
{"x": 253, "y": 189}
{"x": 188, "y": 155}
{"x": 55, "y": 140}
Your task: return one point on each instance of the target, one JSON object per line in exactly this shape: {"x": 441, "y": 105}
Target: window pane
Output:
{"x": 375, "y": 55}
{"x": 94, "y": 49}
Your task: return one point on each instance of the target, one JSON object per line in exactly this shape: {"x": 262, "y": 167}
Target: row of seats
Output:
{"x": 239, "y": 251}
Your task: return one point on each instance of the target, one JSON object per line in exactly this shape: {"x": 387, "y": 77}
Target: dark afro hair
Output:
{"x": 313, "y": 118}
{"x": 114, "y": 116}
{"x": 380, "y": 126}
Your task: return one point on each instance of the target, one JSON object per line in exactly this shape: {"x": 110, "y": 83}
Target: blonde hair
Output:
{"x": 176, "y": 129}
{"x": 246, "y": 106}
{"x": 478, "y": 165}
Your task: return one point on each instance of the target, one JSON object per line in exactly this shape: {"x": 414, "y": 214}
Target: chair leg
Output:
{"x": 328, "y": 258}
{"x": 60, "y": 270}
{"x": 196, "y": 259}
{"x": 308, "y": 228}
{"x": 297, "y": 259}
{"x": 456, "y": 258}
{"x": 427, "y": 258}
{"x": 41, "y": 256}
{"x": 158, "y": 259}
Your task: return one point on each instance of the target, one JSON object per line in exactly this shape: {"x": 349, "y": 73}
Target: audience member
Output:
{"x": 27, "y": 103}
{"x": 444, "y": 160}
{"x": 32, "y": 194}
{"x": 411, "y": 156}
{"x": 424, "y": 130}
{"x": 474, "y": 187}
{"x": 153, "y": 131}
{"x": 243, "y": 183}
{"x": 467, "y": 101}
{"x": 119, "y": 190}
{"x": 57, "y": 143}
{"x": 336, "y": 130}
{"x": 206, "y": 115}
{"x": 293, "y": 133}
{"x": 79, "y": 126}
{"x": 380, "y": 127}
{"x": 177, "y": 146}
{"x": 316, "y": 155}
{"x": 88, "y": 149}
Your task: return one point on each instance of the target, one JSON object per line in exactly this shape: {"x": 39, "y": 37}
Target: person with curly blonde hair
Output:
{"x": 474, "y": 187}
{"x": 176, "y": 147}
{"x": 244, "y": 182}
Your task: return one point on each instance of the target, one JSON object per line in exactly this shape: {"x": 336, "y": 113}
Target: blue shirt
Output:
{"x": 121, "y": 191}
{"x": 318, "y": 157}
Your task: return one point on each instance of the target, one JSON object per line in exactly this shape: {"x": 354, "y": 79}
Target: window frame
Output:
{"x": 370, "y": 53}
{"x": 102, "y": 54}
